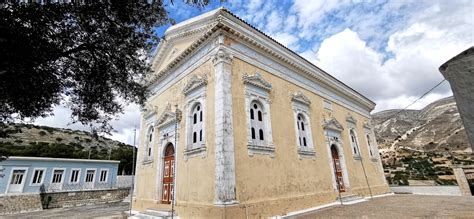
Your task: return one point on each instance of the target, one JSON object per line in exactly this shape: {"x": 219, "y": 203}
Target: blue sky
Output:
{"x": 389, "y": 51}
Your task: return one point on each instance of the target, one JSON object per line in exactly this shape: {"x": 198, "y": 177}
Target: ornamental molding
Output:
{"x": 301, "y": 98}
{"x": 333, "y": 124}
{"x": 194, "y": 83}
{"x": 351, "y": 119}
{"x": 257, "y": 81}
{"x": 367, "y": 125}
{"x": 168, "y": 117}
{"x": 222, "y": 21}
{"x": 222, "y": 56}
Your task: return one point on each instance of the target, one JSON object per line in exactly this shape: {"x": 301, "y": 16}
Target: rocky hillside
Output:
{"x": 43, "y": 141}
{"x": 437, "y": 127}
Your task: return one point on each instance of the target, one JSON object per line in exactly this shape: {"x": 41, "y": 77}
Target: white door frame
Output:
{"x": 23, "y": 180}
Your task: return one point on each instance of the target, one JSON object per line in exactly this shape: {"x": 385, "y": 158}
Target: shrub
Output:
{"x": 59, "y": 139}
{"x": 42, "y": 133}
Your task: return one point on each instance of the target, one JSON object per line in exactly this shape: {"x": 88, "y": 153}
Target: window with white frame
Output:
{"x": 57, "y": 176}
{"x": 149, "y": 143}
{"x": 304, "y": 141}
{"x": 75, "y": 173}
{"x": 370, "y": 146}
{"x": 103, "y": 176}
{"x": 257, "y": 125}
{"x": 197, "y": 126}
{"x": 195, "y": 93}
{"x": 17, "y": 177}
{"x": 257, "y": 105}
{"x": 90, "y": 175}
{"x": 355, "y": 146}
{"x": 38, "y": 176}
{"x": 302, "y": 131}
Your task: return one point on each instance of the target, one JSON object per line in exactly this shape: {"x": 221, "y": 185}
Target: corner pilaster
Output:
{"x": 224, "y": 139}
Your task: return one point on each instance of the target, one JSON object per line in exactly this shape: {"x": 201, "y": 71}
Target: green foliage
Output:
{"x": 92, "y": 53}
{"x": 42, "y": 133}
{"x": 59, "y": 139}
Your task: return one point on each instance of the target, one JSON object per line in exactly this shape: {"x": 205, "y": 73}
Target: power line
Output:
{"x": 419, "y": 98}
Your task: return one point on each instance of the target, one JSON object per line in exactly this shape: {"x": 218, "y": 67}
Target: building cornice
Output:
{"x": 223, "y": 20}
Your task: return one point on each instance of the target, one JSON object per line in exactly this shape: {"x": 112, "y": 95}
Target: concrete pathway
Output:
{"x": 108, "y": 210}
{"x": 401, "y": 206}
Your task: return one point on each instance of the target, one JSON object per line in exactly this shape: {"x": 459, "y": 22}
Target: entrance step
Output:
{"x": 153, "y": 214}
{"x": 350, "y": 199}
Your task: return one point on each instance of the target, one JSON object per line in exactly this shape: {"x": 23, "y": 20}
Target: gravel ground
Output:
{"x": 109, "y": 210}
{"x": 401, "y": 206}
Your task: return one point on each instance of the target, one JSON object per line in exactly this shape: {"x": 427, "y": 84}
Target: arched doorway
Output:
{"x": 168, "y": 175}
{"x": 337, "y": 168}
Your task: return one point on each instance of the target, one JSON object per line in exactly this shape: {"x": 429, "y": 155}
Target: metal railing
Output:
{"x": 85, "y": 186}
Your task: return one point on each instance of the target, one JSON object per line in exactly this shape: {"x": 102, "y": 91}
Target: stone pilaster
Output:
{"x": 224, "y": 139}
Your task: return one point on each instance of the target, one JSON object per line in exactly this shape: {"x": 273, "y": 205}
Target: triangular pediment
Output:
{"x": 367, "y": 125}
{"x": 300, "y": 97}
{"x": 194, "y": 83}
{"x": 351, "y": 119}
{"x": 257, "y": 81}
{"x": 167, "y": 117}
{"x": 333, "y": 124}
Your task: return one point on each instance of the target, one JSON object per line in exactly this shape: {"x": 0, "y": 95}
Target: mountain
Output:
{"x": 437, "y": 127}
{"x": 419, "y": 147}
{"x": 43, "y": 141}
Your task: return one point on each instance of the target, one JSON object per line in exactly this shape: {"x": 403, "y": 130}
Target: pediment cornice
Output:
{"x": 257, "y": 80}
{"x": 333, "y": 124}
{"x": 167, "y": 117}
{"x": 194, "y": 83}
{"x": 351, "y": 119}
{"x": 301, "y": 98}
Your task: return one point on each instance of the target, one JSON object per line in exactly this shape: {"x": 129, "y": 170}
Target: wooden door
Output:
{"x": 168, "y": 175}
{"x": 337, "y": 169}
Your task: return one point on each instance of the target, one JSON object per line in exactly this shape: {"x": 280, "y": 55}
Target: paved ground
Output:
{"x": 109, "y": 210}
{"x": 402, "y": 206}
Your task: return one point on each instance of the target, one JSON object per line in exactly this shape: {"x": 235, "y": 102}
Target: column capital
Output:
{"x": 222, "y": 56}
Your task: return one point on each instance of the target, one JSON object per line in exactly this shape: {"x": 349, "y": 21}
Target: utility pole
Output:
{"x": 133, "y": 169}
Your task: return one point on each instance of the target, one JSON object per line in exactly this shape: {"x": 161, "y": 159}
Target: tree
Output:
{"x": 87, "y": 56}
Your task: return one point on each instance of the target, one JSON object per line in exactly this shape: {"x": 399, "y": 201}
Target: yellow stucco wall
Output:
{"x": 195, "y": 177}
{"x": 265, "y": 186}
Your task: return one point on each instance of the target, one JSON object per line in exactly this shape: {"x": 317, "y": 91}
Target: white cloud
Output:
{"x": 287, "y": 40}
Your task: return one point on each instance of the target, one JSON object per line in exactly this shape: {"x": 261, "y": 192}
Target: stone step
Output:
{"x": 350, "y": 199}
{"x": 153, "y": 214}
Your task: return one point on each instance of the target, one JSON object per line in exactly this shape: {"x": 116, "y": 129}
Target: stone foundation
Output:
{"x": 11, "y": 204}
{"x": 70, "y": 199}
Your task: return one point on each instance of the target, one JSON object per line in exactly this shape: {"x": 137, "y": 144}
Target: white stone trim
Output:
{"x": 224, "y": 134}
{"x": 301, "y": 105}
{"x": 167, "y": 136}
{"x": 106, "y": 175}
{"x": 195, "y": 96}
{"x": 352, "y": 126}
{"x": 334, "y": 137}
{"x": 257, "y": 90}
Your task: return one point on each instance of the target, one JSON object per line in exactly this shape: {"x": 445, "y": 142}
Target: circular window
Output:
{"x": 255, "y": 106}
{"x": 198, "y": 108}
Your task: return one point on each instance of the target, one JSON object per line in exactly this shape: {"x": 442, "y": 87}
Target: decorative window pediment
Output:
{"x": 351, "y": 119}
{"x": 367, "y": 125}
{"x": 168, "y": 117}
{"x": 301, "y": 98}
{"x": 333, "y": 124}
{"x": 257, "y": 81}
{"x": 194, "y": 83}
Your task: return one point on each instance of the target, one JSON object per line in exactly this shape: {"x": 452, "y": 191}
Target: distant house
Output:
{"x": 33, "y": 174}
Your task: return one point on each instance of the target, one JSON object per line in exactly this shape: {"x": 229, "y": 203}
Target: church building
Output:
{"x": 239, "y": 126}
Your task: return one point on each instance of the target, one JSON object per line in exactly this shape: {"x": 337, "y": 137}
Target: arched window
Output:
{"x": 197, "y": 125}
{"x": 302, "y": 134}
{"x": 370, "y": 146}
{"x": 257, "y": 125}
{"x": 149, "y": 143}
{"x": 355, "y": 147}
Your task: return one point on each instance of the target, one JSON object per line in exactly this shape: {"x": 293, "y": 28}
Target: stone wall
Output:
{"x": 69, "y": 199}
{"x": 11, "y": 204}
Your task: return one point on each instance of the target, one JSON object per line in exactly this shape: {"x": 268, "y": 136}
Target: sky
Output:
{"x": 389, "y": 51}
